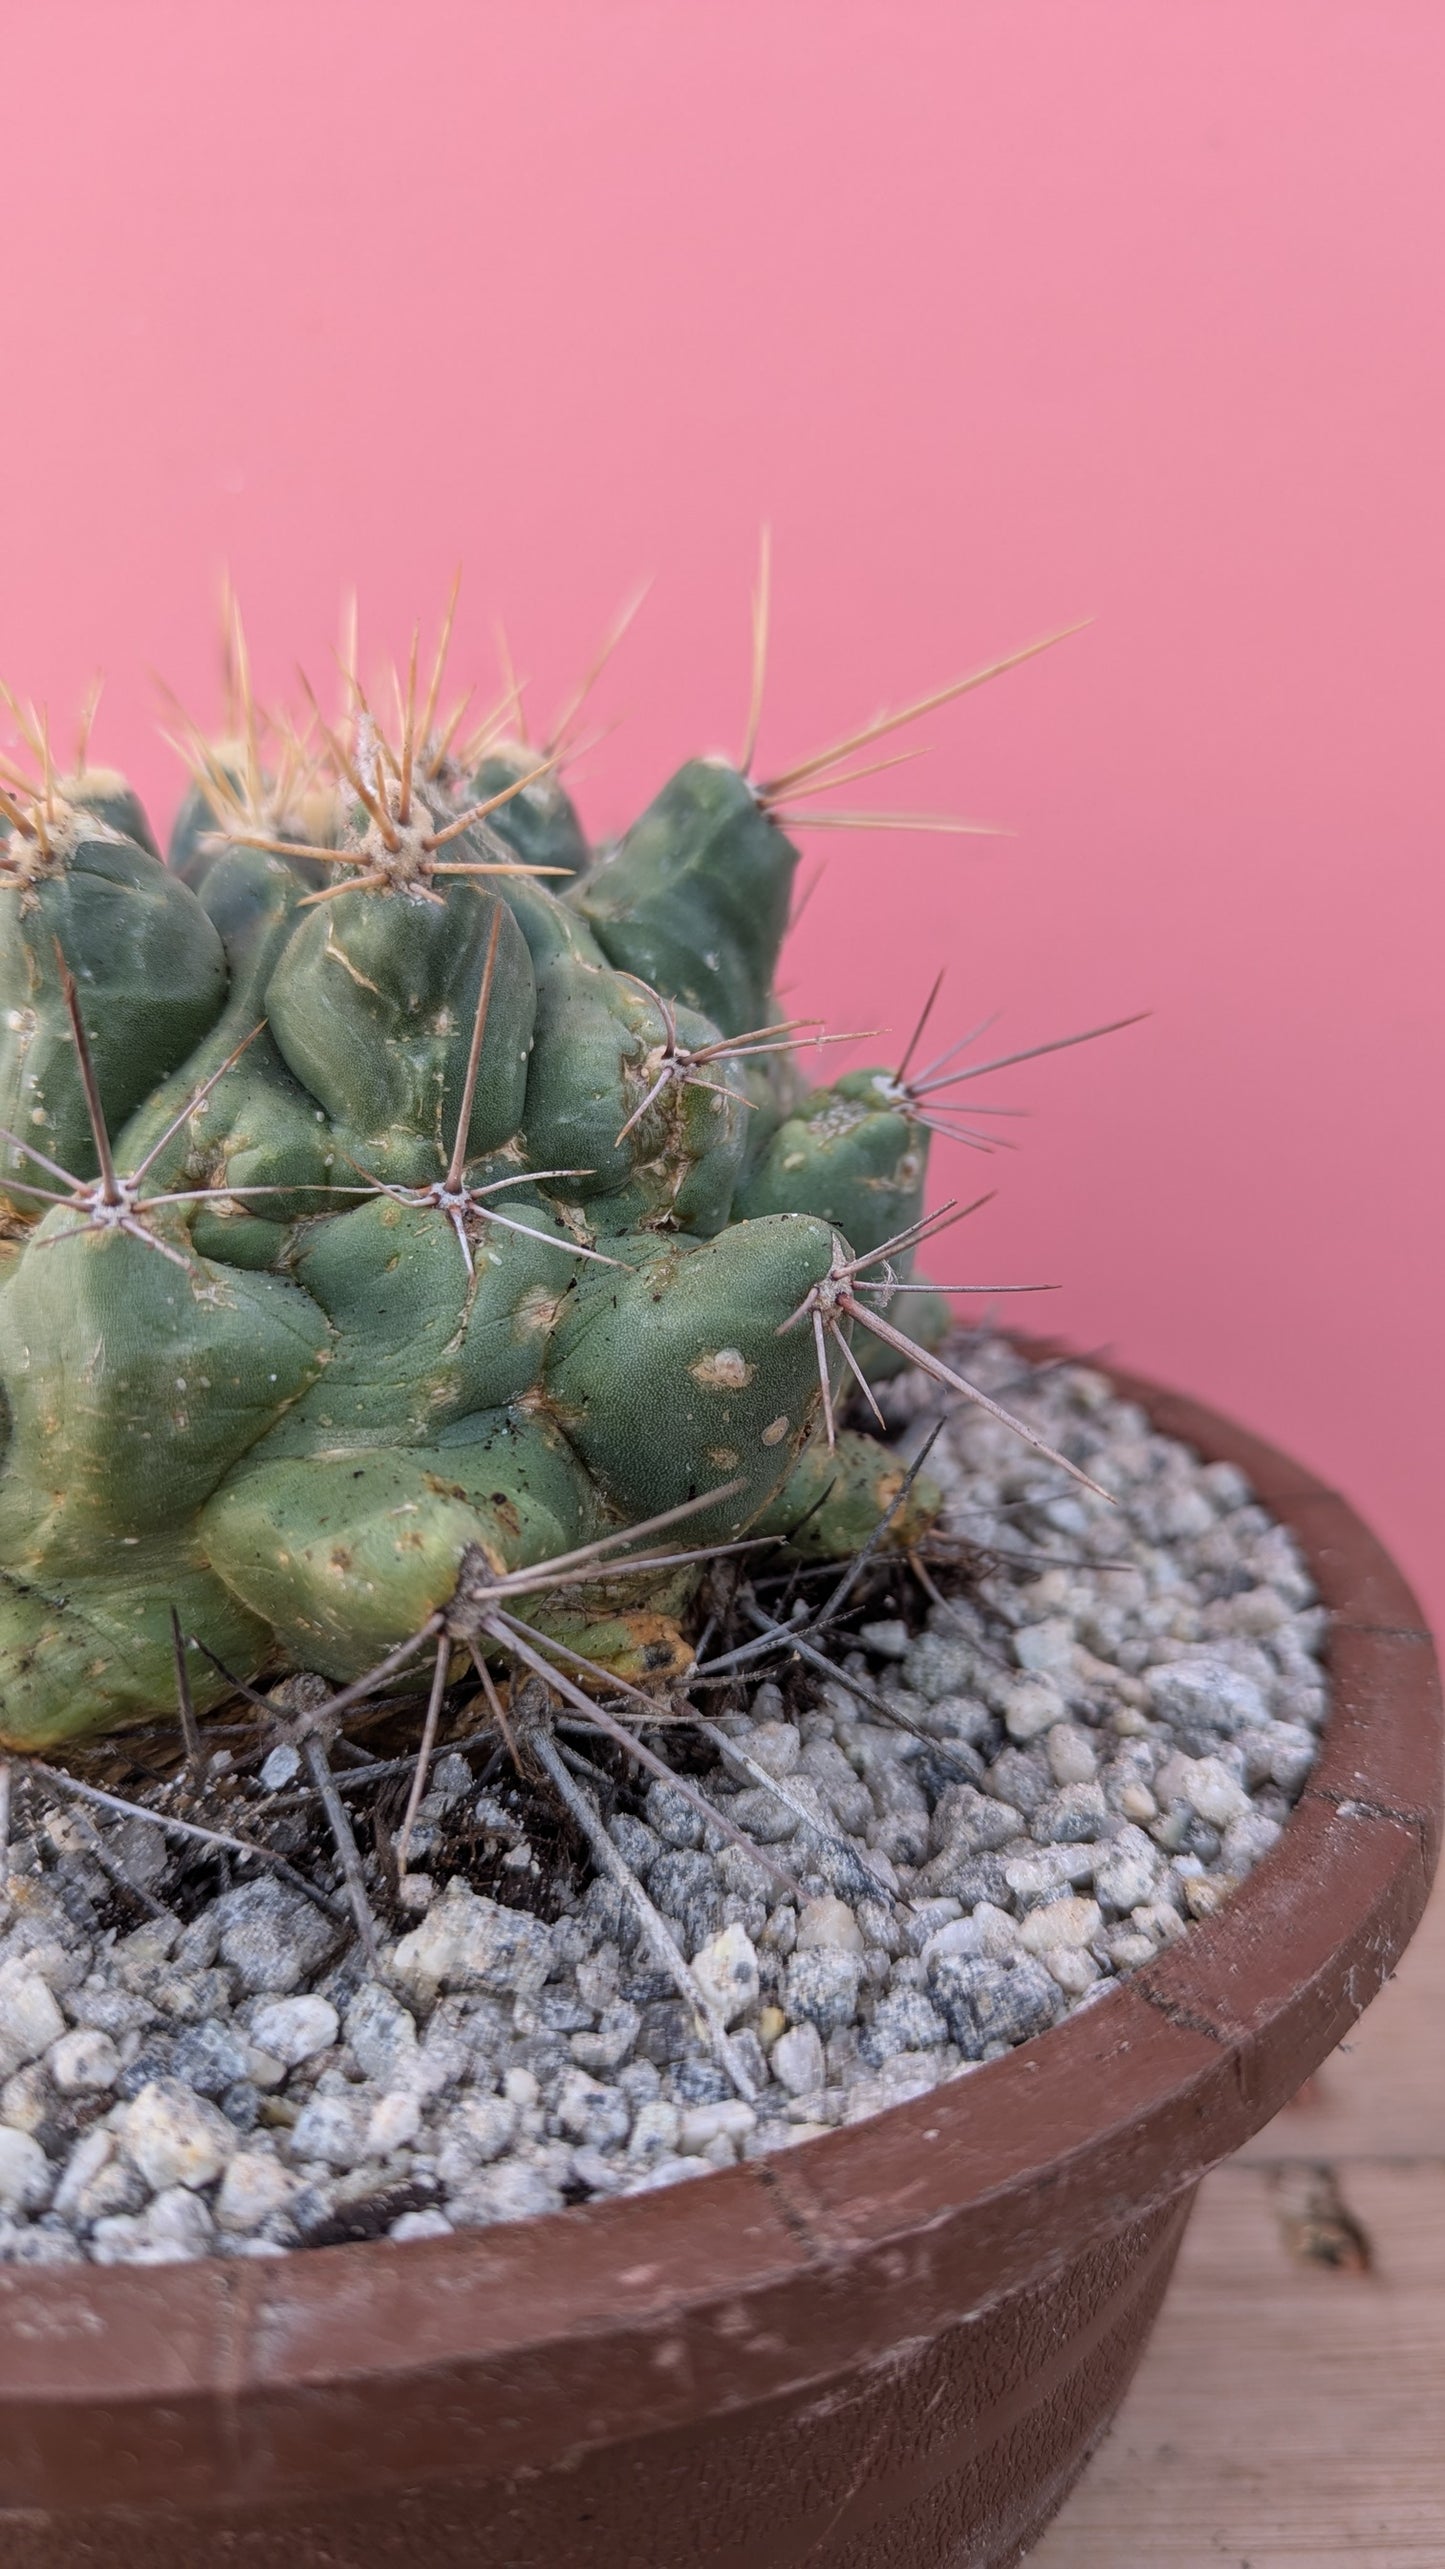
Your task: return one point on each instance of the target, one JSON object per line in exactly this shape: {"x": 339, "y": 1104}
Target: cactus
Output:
{"x": 397, "y": 1195}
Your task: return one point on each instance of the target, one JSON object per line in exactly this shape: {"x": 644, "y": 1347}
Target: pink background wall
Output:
{"x": 1003, "y": 312}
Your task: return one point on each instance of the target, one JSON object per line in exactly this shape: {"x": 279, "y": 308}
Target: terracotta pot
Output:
{"x": 891, "y": 2349}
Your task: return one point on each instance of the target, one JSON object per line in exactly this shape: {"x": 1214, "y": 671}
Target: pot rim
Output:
{"x": 504, "y": 2350}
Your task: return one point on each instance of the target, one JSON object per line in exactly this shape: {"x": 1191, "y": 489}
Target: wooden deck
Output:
{"x": 1291, "y": 2409}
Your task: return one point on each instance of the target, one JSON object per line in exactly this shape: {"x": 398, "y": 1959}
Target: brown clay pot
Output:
{"x": 893, "y": 2348}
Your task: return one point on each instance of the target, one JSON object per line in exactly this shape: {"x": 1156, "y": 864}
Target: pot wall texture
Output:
{"x": 1003, "y": 313}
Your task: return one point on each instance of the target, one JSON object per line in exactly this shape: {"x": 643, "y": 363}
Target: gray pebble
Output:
{"x": 210, "y": 2058}
{"x": 937, "y": 1665}
{"x": 470, "y": 1942}
{"x": 271, "y": 1937}
{"x": 904, "y": 2021}
{"x": 699, "y": 2081}
{"x": 1073, "y": 1816}
{"x": 664, "y": 2030}
{"x": 684, "y": 1885}
{"x": 820, "y": 1987}
{"x": 984, "y": 2003}
{"x": 1207, "y": 1694}
{"x": 636, "y": 1843}
{"x": 607, "y": 2048}
{"x": 1021, "y": 1779}
{"x": 672, "y": 1816}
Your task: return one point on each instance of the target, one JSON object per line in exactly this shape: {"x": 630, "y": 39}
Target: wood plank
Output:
{"x": 1290, "y": 2414}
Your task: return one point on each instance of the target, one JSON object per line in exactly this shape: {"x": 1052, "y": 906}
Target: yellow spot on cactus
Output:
{"x": 724, "y": 1457}
{"x": 725, "y": 1370}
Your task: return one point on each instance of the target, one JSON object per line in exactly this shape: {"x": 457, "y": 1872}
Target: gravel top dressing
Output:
{"x": 954, "y": 1803}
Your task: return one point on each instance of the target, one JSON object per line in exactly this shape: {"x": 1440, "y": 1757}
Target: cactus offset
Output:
{"x": 391, "y": 1190}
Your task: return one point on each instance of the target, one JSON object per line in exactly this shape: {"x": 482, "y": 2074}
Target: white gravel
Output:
{"x": 1079, "y": 1762}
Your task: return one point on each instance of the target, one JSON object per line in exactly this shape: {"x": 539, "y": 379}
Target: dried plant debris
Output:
{"x": 484, "y": 1935}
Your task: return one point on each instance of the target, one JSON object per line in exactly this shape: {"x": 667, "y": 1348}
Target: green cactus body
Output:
{"x": 852, "y": 1159}
{"x": 151, "y": 973}
{"x": 371, "y": 1004}
{"x": 106, "y": 796}
{"x": 694, "y": 899}
{"x": 316, "y": 1353}
{"x": 539, "y": 825}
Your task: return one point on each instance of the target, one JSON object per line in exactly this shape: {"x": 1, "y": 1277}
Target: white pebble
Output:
{"x": 1212, "y": 1791}
{"x": 515, "y": 2191}
{"x": 726, "y": 1968}
{"x": 990, "y": 1934}
{"x": 1064, "y": 1922}
{"x": 1072, "y": 1756}
{"x": 729, "y": 2119}
{"x": 394, "y": 2124}
{"x": 83, "y": 2063}
{"x": 828, "y": 1923}
{"x": 420, "y": 2225}
{"x": 25, "y": 2175}
{"x": 469, "y": 1942}
{"x": 93, "y": 2151}
{"x": 1032, "y": 1706}
{"x": 292, "y": 2029}
{"x": 1045, "y": 1650}
{"x": 797, "y": 2060}
{"x": 774, "y": 1746}
{"x": 173, "y": 2229}
{"x": 655, "y": 2131}
{"x": 1073, "y": 1969}
{"x": 1247, "y": 1839}
{"x": 476, "y": 2132}
{"x": 30, "y": 2020}
{"x": 254, "y": 2187}
{"x": 174, "y": 2137}
{"x": 329, "y": 2128}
